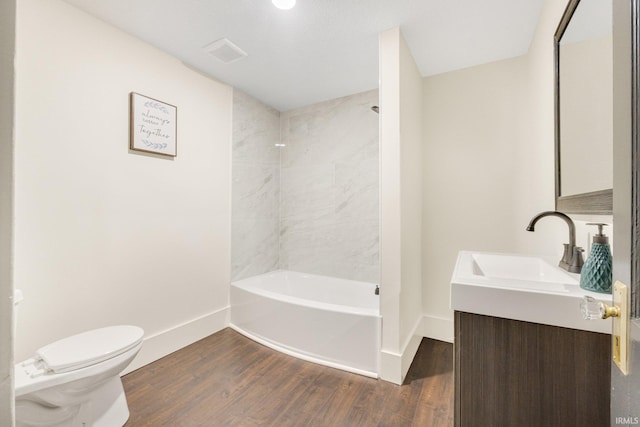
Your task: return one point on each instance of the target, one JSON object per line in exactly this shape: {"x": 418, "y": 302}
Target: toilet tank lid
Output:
{"x": 88, "y": 348}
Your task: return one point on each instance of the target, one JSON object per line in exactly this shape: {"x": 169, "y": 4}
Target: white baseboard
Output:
{"x": 437, "y": 328}
{"x": 394, "y": 366}
{"x": 158, "y": 345}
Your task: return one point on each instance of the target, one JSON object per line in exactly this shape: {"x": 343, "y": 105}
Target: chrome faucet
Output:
{"x": 572, "y": 257}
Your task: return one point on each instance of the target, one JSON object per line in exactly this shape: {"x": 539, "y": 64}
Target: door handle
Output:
{"x": 593, "y": 309}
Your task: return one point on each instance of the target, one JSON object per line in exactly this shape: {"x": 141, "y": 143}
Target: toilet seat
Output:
{"x": 88, "y": 348}
{"x": 120, "y": 345}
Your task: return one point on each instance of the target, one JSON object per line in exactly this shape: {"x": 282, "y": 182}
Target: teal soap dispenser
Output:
{"x": 596, "y": 271}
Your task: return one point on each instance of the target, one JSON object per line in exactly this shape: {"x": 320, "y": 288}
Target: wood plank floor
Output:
{"x": 229, "y": 380}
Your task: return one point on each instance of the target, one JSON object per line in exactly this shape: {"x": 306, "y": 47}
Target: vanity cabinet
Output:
{"x": 514, "y": 373}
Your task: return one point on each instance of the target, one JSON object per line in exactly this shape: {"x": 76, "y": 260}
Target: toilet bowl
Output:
{"x": 76, "y": 381}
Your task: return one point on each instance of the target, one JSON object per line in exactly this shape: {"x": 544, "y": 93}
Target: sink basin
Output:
{"x": 537, "y": 272}
{"x": 521, "y": 287}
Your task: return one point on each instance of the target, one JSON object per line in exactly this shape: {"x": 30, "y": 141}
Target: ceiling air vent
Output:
{"x": 225, "y": 51}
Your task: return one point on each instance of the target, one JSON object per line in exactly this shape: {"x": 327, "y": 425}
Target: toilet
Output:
{"x": 76, "y": 381}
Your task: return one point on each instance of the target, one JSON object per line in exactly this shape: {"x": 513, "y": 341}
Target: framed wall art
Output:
{"x": 153, "y": 126}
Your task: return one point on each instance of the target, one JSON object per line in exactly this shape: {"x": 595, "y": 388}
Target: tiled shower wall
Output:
{"x": 255, "y": 192}
{"x": 313, "y": 206}
{"x": 329, "y": 189}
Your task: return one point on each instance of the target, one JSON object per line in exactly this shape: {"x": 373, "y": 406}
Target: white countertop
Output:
{"x": 522, "y": 287}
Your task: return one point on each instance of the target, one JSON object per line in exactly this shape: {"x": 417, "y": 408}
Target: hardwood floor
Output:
{"x": 229, "y": 380}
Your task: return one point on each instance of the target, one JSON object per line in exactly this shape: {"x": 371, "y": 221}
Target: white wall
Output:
{"x": 488, "y": 163}
{"x": 105, "y": 235}
{"x": 411, "y": 112}
{"x": 7, "y": 55}
{"x": 535, "y": 177}
{"x": 471, "y": 132}
{"x": 400, "y": 205}
{"x": 535, "y": 154}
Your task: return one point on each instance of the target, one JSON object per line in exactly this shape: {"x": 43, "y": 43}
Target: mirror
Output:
{"x": 584, "y": 108}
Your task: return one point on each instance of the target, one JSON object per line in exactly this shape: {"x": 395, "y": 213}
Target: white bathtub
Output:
{"x": 334, "y": 322}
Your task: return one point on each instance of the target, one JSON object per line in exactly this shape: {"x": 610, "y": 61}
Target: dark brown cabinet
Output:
{"x": 512, "y": 373}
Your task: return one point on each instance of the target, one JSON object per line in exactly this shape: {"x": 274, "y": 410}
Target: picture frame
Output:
{"x": 152, "y": 125}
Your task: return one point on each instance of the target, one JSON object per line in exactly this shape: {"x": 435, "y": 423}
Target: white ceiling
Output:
{"x": 322, "y": 49}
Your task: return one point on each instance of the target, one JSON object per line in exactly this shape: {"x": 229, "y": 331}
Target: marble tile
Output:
{"x": 256, "y": 130}
{"x": 307, "y": 246}
{"x": 256, "y": 191}
{"x": 333, "y": 248}
{"x": 329, "y": 188}
{"x": 312, "y": 206}
{"x": 254, "y": 247}
{"x": 357, "y": 190}
{"x": 344, "y": 129}
{"x": 307, "y": 192}
{"x": 357, "y": 242}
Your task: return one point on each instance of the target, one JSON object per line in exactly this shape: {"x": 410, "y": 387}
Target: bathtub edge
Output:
{"x": 302, "y": 356}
